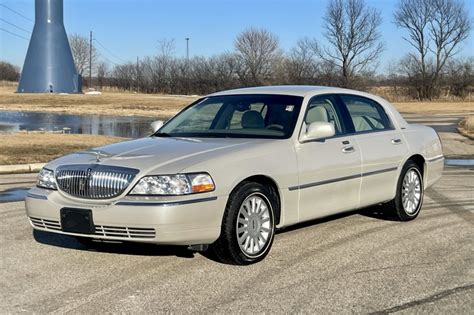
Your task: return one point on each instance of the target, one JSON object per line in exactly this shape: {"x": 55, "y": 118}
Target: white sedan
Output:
{"x": 234, "y": 166}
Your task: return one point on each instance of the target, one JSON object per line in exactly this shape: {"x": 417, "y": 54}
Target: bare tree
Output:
{"x": 354, "y": 39}
{"x": 102, "y": 72}
{"x": 459, "y": 77}
{"x": 226, "y": 65}
{"x": 257, "y": 50}
{"x": 301, "y": 65}
{"x": 80, "y": 51}
{"x": 9, "y": 72}
{"x": 435, "y": 28}
{"x": 124, "y": 76}
{"x": 162, "y": 64}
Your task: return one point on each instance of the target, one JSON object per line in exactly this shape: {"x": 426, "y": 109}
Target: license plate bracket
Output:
{"x": 77, "y": 221}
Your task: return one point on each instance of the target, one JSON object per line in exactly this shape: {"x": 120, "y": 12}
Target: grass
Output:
{"x": 109, "y": 103}
{"x": 466, "y": 127}
{"x": 435, "y": 107}
{"x": 23, "y": 148}
{"x": 156, "y": 105}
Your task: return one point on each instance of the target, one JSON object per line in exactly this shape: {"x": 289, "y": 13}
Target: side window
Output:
{"x": 366, "y": 115}
{"x": 323, "y": 109}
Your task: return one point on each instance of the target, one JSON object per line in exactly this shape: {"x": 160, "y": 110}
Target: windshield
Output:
{"x": 239, "y": 116}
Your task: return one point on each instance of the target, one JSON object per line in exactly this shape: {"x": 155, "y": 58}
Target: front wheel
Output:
{"x": 248, "y": 226}
{"x": 409, "y": 198}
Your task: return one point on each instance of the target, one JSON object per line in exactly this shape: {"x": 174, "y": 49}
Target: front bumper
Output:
{"x": 189, "y": 220}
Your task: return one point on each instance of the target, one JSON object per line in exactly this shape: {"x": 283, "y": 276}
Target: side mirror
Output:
{"x": 156, "y": 125}
{"x": 319, "y": 130}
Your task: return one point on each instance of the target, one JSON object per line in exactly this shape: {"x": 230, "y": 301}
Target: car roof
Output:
{"x": 296, "y": 90}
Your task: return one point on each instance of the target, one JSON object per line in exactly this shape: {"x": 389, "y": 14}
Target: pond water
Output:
{"x": 459, "y": 162}
{"x": 129, "y": 127}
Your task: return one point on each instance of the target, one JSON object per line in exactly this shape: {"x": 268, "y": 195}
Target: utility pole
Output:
{"x": 187, "y": 49}
{"x": 187, "y": 65}
{"x": 90, "y": 60}
{"x": 138, "y": 75}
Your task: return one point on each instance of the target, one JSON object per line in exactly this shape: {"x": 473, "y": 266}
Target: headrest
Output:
{"x": 317, "y": 113}
{"x": 252, "y": 119}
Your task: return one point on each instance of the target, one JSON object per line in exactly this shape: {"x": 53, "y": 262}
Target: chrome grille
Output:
{"x": 45, "y": 224}
{"x": 94, "y": 181}
{"x": 123, "y": 231}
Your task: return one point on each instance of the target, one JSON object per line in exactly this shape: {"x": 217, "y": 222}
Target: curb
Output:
{"x": 21, "y": 168}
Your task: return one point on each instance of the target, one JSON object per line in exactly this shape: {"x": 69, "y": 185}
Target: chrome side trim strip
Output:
{"x": 164, "y": 203}
{"x": 330, "y": 181}
{"x": 324, "y": 182}
{"x": 380, "y": 171}
{"x": 436, "y": 158}
{"x": 35, "y": 196}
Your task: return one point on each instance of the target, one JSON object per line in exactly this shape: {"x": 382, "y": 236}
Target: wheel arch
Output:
{"x": 420, "y": 161}
{"x": 268, "y": 182}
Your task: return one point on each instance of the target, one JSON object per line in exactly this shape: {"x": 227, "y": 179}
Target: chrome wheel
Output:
{"x": 411, "y": 191}
{"x": 254, "y": 225}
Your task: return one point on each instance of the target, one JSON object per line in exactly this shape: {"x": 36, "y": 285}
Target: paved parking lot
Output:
{"x": 358, "y": 262}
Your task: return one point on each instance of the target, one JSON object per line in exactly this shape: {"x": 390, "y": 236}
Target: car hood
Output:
{"x": 154, "y": 154}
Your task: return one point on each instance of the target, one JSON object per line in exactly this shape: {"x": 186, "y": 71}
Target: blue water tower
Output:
{"x": 49, "y": 64}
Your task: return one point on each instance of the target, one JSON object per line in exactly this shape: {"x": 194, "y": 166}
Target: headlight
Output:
{"x": 181, "y": 184}
{"x": 46, "y": 179}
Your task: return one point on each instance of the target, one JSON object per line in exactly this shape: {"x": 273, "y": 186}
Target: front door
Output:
{"x": 329, "y": 170}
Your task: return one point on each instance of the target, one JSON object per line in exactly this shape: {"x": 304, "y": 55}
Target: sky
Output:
{"x": 132, "y": 28}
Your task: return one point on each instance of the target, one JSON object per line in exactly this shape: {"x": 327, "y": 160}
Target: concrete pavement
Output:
{"x": 454, "y": 144}
{"x": 357, "y": 262}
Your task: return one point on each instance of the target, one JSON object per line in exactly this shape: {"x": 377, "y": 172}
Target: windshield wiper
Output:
{"x": 161, "y": 134}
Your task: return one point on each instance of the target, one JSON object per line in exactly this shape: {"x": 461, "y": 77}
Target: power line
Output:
{"x": 6, "y": 31}
{"x": 16, "y": 12}
{"x": 107, "y": 59}
{"x": 112, "y": 54}
{"x": 18, "y": 27}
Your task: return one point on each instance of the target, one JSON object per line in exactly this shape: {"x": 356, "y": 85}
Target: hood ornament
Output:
{"x": 97, "y": 158}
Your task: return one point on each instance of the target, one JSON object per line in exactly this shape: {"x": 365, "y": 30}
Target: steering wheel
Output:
{"x": 275, "y": 127}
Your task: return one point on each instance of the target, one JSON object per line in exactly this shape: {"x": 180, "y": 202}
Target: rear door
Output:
{"x": 381, "y": 145}
{"x": 328, "y": 169}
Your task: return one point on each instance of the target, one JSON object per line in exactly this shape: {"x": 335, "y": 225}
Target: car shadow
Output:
{"x": 143, "y": 249}
{"x": 125, "y": 248}
{"x": 375, "y": 212}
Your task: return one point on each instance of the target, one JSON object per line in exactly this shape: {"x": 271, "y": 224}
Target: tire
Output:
{"x": 248, "y": 226}
{"x": 409, "y": 197}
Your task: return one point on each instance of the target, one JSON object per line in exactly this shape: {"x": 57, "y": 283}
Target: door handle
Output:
{"x": 396, "y": 141}
{"x": 348, "y": 149}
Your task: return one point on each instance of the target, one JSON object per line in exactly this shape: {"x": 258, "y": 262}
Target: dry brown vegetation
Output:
{"x": 435, "y": 107}
{"x": 109, "y": 103}
{"x": 23, "y": 148}
{"x": 156, "y": 105}
{"x": 466, "y": 127}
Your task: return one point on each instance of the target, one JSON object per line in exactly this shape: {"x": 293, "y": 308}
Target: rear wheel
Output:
{"x": 248, "y": 226}
{"x": 409, "y": 198}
